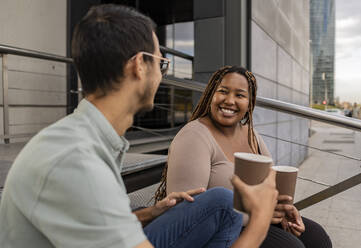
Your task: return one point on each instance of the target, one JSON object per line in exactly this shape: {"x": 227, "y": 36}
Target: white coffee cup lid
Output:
{"x": 253, "y": 157}
{"x": 285, "y": 168}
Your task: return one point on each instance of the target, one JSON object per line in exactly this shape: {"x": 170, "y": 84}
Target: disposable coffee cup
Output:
{"x": 251, "y": 169}
{"x": 286, "y": 177}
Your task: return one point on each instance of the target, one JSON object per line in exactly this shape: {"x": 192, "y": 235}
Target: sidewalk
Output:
{"x": 339, "y": 215}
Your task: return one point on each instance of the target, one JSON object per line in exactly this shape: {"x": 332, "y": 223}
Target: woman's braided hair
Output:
{"x": 203, "y": 109}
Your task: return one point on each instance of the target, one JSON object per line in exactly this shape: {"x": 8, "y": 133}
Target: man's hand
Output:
{"x": 261, "y": 198}
{"x": 259, "y": 201}
{"x": 146, "y": 215}
{"x": 173, "y": 199}
{"x": 281, "y": 209}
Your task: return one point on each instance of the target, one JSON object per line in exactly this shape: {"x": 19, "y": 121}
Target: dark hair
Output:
{"x": 203, "y": 109}
{"x": 104, "y": 40}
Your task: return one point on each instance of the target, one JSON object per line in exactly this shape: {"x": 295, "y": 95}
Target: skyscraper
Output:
{"x": 322, "y": 35}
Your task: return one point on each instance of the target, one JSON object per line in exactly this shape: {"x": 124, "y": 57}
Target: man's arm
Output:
{"x": 259, "y": 201}
{"x": 146, "y": 215}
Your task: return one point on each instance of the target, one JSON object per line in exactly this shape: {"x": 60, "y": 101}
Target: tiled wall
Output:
{"x": 280, "y": 61}
{"x": 37, "y": 88}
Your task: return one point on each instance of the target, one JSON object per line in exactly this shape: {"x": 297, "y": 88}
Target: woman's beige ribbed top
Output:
{"x": 196, "y": 160}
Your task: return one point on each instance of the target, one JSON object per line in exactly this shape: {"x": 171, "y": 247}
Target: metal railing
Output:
{"x": 269, "y": 103}
{"x": 10, "y": 50}
{"x": 4, "y": 49}
{"x": 285, "y": 107}
{"x": 272, "y": 104}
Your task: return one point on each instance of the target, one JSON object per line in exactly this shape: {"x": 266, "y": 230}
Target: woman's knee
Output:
{"x": 277, "y": 237}
{"x": 220, "y": 196}
{"x": 315, "y": 235}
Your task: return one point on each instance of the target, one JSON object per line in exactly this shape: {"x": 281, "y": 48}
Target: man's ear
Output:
{"x": 137, "y": 66}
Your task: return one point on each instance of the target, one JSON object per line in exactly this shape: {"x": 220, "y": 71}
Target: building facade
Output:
{"x": 37, "y": 89}
{"x": 322, "y": 35}
{"x": 270, "y": 37}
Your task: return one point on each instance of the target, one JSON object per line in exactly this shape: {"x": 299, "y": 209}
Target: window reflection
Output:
{"x": 180, "y": 36}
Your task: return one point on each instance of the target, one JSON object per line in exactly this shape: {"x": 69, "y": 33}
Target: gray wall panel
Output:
{"x": 264, "y": 13}
{"x": 37, "y": 25}
{"x": 25, "y": 64}
{"x": 283, "y": 31}
{"x": 1, "y": 80}
{"x": 27, "y": 129}
{"x": 37, "y": 81}
{"x": 280, "y": 53}
{"x": 284, "y": 93}
{"x": 296, "y": 156}
{"x": 215, "y": 8}
{"x": 42, "y": 27}
{"x": 1, "y": 123}
{"x": 284, "y": 68}
{"x": 285, "y": 6}
{"x": 32, "y": 97}
{"x": 263, "y": 116}
{"x": 286, "y": 160}
{"x": 264, "y": 53}
{"x": 270, "y": 142}
{"x": 209, "y": 44}
{"x": 296, "y": 76}
{"x": 202, "y": 77}
{"x": 34, "y": 115}
{"x": 266, "y": 88}
{"x": 305, "y": 82}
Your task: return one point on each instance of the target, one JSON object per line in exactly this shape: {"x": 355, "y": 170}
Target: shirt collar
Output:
{"x": 117, "y": 143}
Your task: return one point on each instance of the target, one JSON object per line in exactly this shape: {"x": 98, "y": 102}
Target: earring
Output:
{"x": 245, "y": 118}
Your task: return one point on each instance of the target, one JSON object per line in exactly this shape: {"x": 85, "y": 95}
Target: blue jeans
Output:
{"x": 209, "y": 221}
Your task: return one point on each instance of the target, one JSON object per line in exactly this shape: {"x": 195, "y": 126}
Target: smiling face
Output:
{"x": 230, "y": 100}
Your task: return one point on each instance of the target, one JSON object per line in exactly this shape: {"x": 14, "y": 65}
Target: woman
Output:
{"x": 201, "y": 154}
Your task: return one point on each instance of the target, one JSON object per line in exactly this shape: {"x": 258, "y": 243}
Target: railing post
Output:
{"x": 5, "y": 91}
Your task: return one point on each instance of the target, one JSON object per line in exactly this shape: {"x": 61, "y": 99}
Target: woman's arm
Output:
{"x": 189, "y": 162}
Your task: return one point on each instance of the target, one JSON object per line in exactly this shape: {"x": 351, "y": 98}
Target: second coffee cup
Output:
{"x": 286, "y": 177}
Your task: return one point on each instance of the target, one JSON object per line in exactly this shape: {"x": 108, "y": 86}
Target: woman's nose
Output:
{"x": 229, "y": 99}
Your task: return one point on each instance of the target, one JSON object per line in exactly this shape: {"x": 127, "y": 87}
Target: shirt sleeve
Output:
{"x": 83, "y": 204}
{"x": 189, "y": 162}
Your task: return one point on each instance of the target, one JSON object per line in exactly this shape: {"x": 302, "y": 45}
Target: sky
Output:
{"x": 348, "y": 50}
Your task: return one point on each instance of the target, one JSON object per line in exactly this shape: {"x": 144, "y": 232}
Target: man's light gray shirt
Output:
{"x": 65, "y": 189}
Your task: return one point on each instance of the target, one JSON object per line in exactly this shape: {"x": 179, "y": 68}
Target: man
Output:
{"x": 65, "y": 189}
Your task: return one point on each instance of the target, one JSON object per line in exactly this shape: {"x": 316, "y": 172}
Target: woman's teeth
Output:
{"x": 228, "y": 111}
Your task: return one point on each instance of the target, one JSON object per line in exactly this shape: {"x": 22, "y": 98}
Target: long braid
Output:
{"x": 161, "y": 192}
{"x": 203, "y": 109}
{"x": 252, "y": 92}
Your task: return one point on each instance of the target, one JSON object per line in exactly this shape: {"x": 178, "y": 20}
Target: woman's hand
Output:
{"x": 281, "y": 208}
{"x": 173, "y": 199}
{"x": 294, "y": 221}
